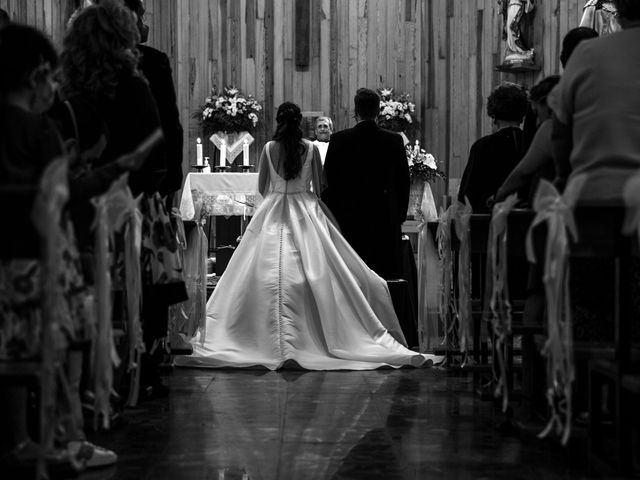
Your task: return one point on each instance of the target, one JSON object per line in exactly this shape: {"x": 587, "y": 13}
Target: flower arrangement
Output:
{"x": 229, "y": 112}
{"x": 396, "y": 112}
{"x": 422, "y": 165}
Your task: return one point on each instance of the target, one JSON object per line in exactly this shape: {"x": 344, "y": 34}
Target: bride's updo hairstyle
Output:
{"x": 289, "y": 133}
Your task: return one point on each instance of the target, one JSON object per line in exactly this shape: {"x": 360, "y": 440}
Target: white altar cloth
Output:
{"x": 219, "y": 194}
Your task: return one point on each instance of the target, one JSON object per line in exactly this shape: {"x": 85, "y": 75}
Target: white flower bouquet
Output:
{"x": 396, "y": 112}
{"x": 229, "y": 112}
{"x": 422, "y": 165}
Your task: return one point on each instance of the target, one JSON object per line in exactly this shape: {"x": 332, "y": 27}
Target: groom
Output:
{"x": 366, "y": 178}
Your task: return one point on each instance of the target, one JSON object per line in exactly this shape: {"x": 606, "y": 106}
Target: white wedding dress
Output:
{"x": 295, "y": 290}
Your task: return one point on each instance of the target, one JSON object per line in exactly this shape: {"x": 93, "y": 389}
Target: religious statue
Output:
{"x": 601, "y": 15}
{"x": 513, "y": 12}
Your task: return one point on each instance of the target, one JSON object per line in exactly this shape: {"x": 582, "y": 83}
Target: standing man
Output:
{"x": 366, "y": 178}
{"x": 156, "y": 68}
{"x": 324, "y": 129}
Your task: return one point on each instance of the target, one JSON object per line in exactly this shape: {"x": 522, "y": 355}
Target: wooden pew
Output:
{"x": 518, "y": 225}
{"x": 617, "y": 364}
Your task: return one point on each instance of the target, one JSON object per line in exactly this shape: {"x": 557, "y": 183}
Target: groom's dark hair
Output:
{"x": 367, "y": 104}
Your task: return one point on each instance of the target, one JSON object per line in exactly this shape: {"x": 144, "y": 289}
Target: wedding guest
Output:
{"x": 156, "y": 68}
{"x": 85, "y": 135}
{"x": 571, "y": 41}
{"x": 596, "y": 132}
{"x": 538, "y": 161}
{"x": 492, "y": 157}
{"x": 100, "y": 63}
{"x": 29, "y": 142}
{"x": 597, "y": 125}
{"x": 323, "y": 131}
{"x": 154, "y": 65}
{"x": 367, "y": 187}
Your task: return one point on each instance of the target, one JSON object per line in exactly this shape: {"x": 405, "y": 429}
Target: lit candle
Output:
{"x": 245, "y": 153}
{"x": 223, "y": 153}
{"x": 198, "y": 152}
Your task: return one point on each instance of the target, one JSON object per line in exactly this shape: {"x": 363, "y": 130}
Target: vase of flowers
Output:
{"x": 229, "y": 111}
{"x": 423, "y": 169}
{"x": 228, "y": 118}
{"x": 396, "y": 111}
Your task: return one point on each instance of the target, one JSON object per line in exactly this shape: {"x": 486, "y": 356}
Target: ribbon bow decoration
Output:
{"x": 46, "y": 215}
{"x": 447, "y": 311}
{"x": 117, "y": 210}
{"x": 428, "y": 269}
{"x": 461, "y": 222}
{"x": 557, "y": 212}
{"x": 497, "y": 308}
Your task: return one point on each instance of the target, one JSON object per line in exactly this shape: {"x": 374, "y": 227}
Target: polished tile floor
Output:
{"x": 384, "y": 424}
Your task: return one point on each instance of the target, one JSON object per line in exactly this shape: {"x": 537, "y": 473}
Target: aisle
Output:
{"x": 385, "y": 424}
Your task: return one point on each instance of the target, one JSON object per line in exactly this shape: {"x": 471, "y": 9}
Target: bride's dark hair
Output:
{"x": 289, "y": 133}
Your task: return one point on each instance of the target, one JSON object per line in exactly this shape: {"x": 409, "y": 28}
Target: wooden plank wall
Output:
{"x": 48, "y": 15}
{"x": 461, "y": 45}
{"x": 441, "y": 52}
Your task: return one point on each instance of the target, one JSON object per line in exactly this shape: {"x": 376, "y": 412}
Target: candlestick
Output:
{"x": 245, "y": 153}
{"x": 198, "y": 152}
{"x": 223, "y": 153}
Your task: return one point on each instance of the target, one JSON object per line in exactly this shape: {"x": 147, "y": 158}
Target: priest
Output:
{"x": 323, "y": 131}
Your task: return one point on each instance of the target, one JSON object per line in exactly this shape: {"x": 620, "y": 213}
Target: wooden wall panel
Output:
{"x": 441, "y": 52}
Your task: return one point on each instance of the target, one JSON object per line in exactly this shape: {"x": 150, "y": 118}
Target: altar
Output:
{"x": 215, "y": 198}
{"x": 219, "y": 194}
{"x": 222, "y": 202}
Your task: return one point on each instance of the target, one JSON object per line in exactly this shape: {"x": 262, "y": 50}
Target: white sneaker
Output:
{"x": 94, "y": 456}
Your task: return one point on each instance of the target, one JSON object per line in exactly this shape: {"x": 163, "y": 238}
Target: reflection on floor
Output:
{"x": 384, "y": 424}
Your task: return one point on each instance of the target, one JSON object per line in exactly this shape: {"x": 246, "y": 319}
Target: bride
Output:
{"x": 295, "y": 292}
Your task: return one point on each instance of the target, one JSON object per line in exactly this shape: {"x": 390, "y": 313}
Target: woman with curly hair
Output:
{"x": 492, "y": 158}
{"x": 295, "y": 292}
{"x": 100, "y": 64}
{"x": 537, "y": 163}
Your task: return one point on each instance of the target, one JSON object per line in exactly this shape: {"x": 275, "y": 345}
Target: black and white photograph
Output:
{"x": 320, "y": 239}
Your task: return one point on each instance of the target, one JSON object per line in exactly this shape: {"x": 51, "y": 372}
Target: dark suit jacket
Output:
{"x": 155, "y": 66}
{"x": 367, "y": 189}
{"x": 131, "y": 116}
{"x": 491, "y": 160}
